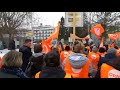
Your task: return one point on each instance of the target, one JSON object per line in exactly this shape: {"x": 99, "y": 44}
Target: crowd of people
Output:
{"x": 63, "y": 61}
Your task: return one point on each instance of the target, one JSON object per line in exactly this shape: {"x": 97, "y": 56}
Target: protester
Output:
{"x": 94, "y": 59}
{"x": 111, "y": 54}
{"x": 36, "y": 62}
{"x": 102, "y": 51}
{"x": 11, "y": 63}
{"x": 26, "y": 51}
{"x": 64, "y": 54}
{"x": 11, "y": 45}
{"x": 60, "y": 47}
{"x": 56, "y": 50}
{"x": 77, "y": 64}
{"x": 52, "y": 68}
{"x": 110, "y": 69}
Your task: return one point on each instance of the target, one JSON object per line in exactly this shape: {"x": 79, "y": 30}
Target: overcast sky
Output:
{"x": 48, "y": 18}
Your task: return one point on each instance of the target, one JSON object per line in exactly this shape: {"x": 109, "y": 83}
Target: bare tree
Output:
{"x": 10, "y": 21}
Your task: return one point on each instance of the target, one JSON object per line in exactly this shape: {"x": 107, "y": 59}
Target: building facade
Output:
{"x": 42, "y": 32}
{"x": 37, "y": 33}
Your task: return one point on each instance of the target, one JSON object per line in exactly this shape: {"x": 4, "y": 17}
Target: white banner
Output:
{"x": 69, "y": 19}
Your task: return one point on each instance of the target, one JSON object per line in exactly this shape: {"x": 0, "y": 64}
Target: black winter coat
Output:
{"x": 12, "y": 73}
{"x": 35, "y": 65}
{"x": 108, "y": 57}
{"x": 26, "y": 52}
{"x": 11, "y": 45}
{"x": 115, "y": 63}
{"x": 52, "y": 72}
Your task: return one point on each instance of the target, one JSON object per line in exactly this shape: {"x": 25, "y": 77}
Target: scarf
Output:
{"x": 14, "y": 71}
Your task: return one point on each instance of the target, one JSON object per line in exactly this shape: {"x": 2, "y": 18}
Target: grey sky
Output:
{"x": 48, "y": 18}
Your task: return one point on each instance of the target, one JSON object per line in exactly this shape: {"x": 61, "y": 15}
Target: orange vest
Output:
{"x": 108, "y": 71}
{"x": 66, "y": 76}
{"x": 94, "y": 58}
{"x": 64, "y": 54}
{"x": 77, "y": 73}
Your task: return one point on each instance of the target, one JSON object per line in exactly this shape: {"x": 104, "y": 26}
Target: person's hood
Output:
{"x": 115, "y": 63}
{"x": 37, "y": 54}
{"x": 77, "y": 60}
{"x": 52, "y": 72}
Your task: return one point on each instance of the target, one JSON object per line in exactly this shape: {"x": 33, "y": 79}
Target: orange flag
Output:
{"x": 97, "y": 30}
{"x": 113, "y": 36}
{"x": 45, "y": 47}
{"x": 55, "y": 32}
{"x": 101, "y": 43}
{"x": 53, "y": 35}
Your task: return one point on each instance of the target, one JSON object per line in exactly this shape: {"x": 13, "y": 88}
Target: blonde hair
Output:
{"x": 12, "y": 59}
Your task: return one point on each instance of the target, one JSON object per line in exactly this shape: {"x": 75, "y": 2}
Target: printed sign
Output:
{"x": 114, "y": 74}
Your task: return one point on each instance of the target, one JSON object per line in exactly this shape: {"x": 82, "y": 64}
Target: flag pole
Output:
{"x": 74, "y": 25}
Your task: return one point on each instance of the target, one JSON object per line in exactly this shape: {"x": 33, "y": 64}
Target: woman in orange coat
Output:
{"x": 94, "y": 57}
{"x": 64, "y": 54}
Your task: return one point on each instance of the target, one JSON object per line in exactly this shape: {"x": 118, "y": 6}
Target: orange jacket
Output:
{"x": 108, "y": 71}
{"x": 77, "y": 73}
{"x": 66, "y": 76}
{"x": 94, "y": 58}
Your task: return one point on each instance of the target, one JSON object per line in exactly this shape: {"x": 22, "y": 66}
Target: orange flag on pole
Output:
{"x": 53, "y": 35}
{"x": 55, "y": 32}
{"x": 113, "y": 36}
{"x": 97, "y": 30}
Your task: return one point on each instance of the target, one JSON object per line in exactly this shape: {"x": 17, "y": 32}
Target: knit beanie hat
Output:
{"x": 77, "y": 60}
{"x": 111, "y": 51}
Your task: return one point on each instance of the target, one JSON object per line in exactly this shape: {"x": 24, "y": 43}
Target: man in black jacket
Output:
{"x": 11, "y": 45}
{"x": 26, "y": 51}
